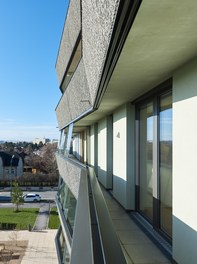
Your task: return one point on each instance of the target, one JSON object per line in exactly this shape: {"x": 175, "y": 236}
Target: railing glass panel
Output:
{"x": 68, "y": 205}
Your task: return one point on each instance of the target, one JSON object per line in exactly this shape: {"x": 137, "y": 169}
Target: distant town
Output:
{"x": 35, "y": 141}
{"x": 28, "y": 163}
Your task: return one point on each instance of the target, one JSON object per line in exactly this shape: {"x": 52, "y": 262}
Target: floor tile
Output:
{"x": 137, "y": 247}
{"x": 145, "y": 253}
{"x": 124, "y": 224}
{"x": 118, "y": 214}
{"x": 132, "y": 237}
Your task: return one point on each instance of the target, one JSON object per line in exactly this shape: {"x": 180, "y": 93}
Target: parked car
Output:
{"x": 32, "y": 197}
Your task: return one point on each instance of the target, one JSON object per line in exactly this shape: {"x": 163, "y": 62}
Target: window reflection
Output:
{"x": 68, "y": 204}
{"x": 165, "y": 162}
{"x": 155, "y": 129}
{"x": 62, "y": 247}
{"x": 146, "y": 160}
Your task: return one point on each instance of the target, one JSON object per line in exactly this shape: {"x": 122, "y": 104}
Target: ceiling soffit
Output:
{"x": 162, "y": 38}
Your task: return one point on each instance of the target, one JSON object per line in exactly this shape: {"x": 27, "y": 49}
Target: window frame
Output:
{"x": 152, "y": 96}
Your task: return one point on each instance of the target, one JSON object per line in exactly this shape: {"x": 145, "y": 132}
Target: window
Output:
{"x": 62, "y": 141}
{"x": 69, "y": 139}
{"x": 65, "y": 145}
{"x": 68, "y": 204}
{"x": 62, "y": 248}
{"x": 146, "y": 159}
{"x": 74, "y": 61}
{"x": 165, "y": 162}
{"x": 154, "y": 146}
{"x": 69, "y": 210}
{"x": 12, "y": 172}
{"x": 7, "y": 172}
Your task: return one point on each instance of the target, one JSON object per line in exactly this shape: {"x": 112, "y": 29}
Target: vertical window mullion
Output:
{"x": 137, "y": 165}
{"x": 156, "y": 162}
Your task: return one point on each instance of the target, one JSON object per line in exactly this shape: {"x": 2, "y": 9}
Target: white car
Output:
{"x": 31, "y": 197}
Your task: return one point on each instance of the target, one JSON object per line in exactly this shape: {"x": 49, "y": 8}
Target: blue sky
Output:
{"x": 30, "y": 33}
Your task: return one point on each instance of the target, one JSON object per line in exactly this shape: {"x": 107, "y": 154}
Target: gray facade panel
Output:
{"x": 62, "y": 111}
{"x": 70, "y": 33}
{"x": 76, "y": 98}
{"x": 97, "y": 23}
{"x": 70, "y": 173}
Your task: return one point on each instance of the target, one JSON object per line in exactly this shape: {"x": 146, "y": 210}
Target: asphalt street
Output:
{"x": 46, "y": 195}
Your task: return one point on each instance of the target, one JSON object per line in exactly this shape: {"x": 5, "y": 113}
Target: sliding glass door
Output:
{"x": 165, "y": 162}
{"x": 154, "y": 179}
{"x": 146, "y": 160}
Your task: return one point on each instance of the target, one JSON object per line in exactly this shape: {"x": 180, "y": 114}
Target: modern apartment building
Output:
{"x": 127, "y": 71}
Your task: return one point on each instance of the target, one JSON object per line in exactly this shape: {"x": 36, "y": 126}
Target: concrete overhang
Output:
{"x": 162, "y": 38}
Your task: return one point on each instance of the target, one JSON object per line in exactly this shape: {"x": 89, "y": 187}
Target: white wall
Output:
{"x": 76, "y": 146}
{"x": 185, "y": 164}
{"x": 102, "y": 151}
{"x": 19, "y": 171}
{"x": 123, "y": 156}
{"x": 92, "y": 146}
{"x": 105, "y": 152}
{"x": 109, "y": 151}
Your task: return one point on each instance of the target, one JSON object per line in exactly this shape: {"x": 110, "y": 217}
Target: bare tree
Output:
{"x": 48, "y": 158}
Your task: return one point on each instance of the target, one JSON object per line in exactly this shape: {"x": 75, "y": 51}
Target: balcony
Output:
{"x": 112, "y": 235}
{"x": 92, "y": 239}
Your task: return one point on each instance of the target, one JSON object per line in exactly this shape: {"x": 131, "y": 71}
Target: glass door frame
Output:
{"x": 153, "y": 96}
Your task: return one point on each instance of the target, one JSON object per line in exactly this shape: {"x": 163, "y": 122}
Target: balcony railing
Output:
{"x": 94, "y": 239}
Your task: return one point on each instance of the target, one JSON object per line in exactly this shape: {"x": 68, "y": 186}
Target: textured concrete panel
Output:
{"x": 76, "y": 98}
{"x": 70, "y": 33}
{"x": 62, "y": 111}
{"x": 97, "y": 23}
{"x": 70, "y": 172}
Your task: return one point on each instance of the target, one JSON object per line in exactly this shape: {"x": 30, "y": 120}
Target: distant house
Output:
{"x": 43, "y": 140}
{"x": 11, "y": 165}
{"x": 29, "y": 169}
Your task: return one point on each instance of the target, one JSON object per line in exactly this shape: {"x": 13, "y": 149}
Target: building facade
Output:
{"x": 127, "y": 73}
{"x": 41, "y": 140}
{"x": 11, "y": 165}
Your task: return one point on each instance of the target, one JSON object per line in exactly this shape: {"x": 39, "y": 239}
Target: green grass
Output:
{"x": 54, "y": 221}
{"x": 22, "y": 219}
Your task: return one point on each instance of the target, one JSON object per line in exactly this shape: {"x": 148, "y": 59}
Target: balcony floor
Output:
{"x": 137, "y": 246}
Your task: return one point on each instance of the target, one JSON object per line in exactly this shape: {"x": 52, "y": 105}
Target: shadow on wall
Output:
{"x": 184, "y": 242}
{"x": 75, "y": 155}
{"x": 105, "y": 178}
{"x": 123, "y": 191}
{"x": 184, "y": 80}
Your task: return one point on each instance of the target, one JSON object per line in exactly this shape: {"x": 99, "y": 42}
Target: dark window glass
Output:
{"x": 165, "y": 162}
{"x": 155, "y": 161}
{"x": 146, "y": 160}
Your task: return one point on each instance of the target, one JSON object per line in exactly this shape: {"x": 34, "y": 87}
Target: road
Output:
{"x": 46, "y": 195}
